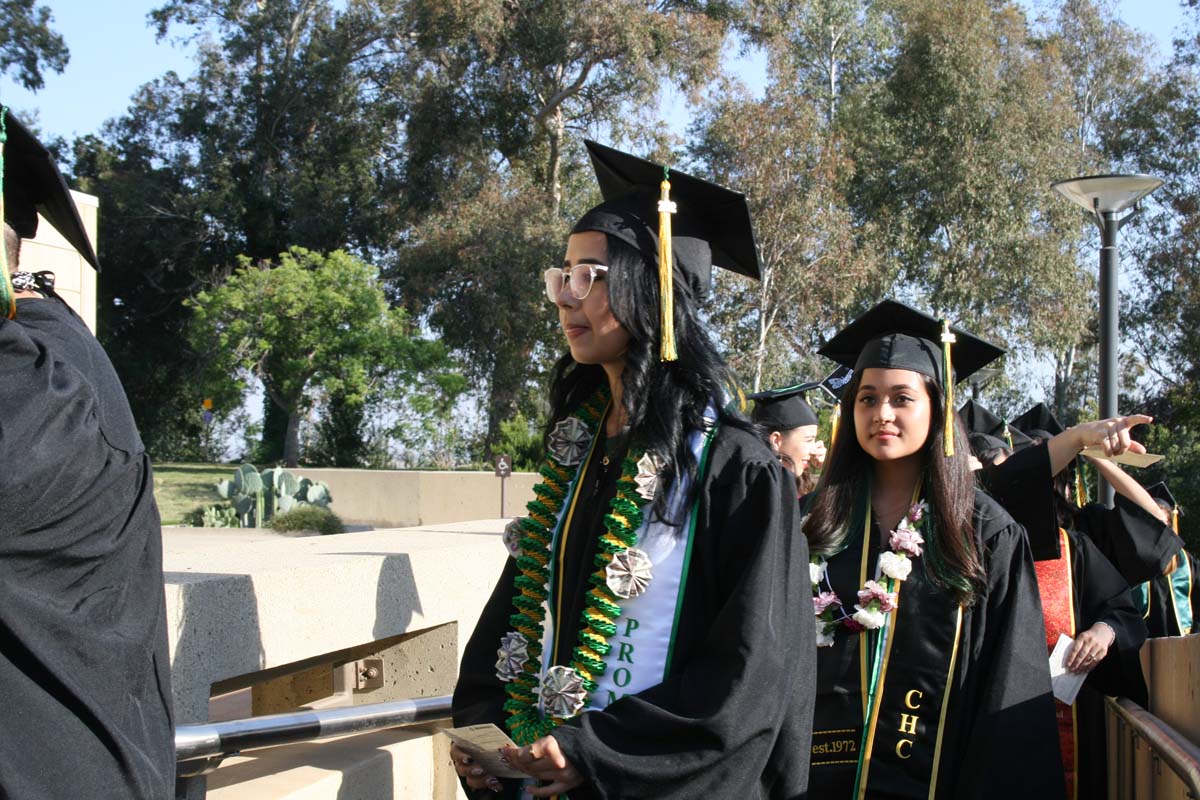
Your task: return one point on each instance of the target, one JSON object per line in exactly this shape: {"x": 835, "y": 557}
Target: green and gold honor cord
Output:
{"x": 598, "y": 621}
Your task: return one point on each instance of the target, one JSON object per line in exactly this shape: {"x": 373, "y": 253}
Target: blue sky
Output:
{"x": 113, "y": 52}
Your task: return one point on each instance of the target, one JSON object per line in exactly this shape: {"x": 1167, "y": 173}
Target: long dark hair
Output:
{"x": 952, "y": 557}
{"x": 663, "y": 400}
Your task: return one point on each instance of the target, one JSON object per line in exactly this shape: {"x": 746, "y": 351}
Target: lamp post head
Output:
{"x": 1107, "y": 193}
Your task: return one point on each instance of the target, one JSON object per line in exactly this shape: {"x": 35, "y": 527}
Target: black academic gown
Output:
{"x": 1138, "y": 544}
{"x": 1023, "y": 485}
{"x": 1102, "y": 595}
{"x": 744, "y": 655}
{"x": 1170, "y": 597}
{"x": 999, "y": 739}
{"x": 85, "y": 692}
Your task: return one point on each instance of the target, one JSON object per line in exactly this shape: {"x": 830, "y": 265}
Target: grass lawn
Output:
{"x": 179, "y": 488}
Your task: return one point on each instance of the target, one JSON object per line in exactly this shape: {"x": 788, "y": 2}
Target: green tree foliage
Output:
{"x": 28, "y": 44}
{"x": 500, "y": 93}
{"x": 955, "y": 149}
{"x": 306, "y": 321}
{"x": 816, "y": 260}
{"x": 287, "y": 134}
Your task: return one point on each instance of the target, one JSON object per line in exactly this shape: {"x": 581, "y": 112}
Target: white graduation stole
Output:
{"x": 645, "y": 638}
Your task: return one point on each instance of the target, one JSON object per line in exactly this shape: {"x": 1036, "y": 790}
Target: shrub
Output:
{"x": 307, "y": 518}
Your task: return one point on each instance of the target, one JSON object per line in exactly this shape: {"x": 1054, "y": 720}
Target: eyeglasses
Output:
{"x": 579, "y": 278}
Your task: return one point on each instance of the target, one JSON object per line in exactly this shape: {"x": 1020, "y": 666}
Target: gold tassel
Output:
{"x": 833, "y": 426}
{"x": 1008, "y": 437}
{"x": 666, "y": 264}
{"x": 948, "y": 339}
{"x": 1080, "y": 486}
{"x": 1175, "y": 520}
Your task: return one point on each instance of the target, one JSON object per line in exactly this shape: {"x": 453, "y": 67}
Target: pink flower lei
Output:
{"x": 875, "y": 600}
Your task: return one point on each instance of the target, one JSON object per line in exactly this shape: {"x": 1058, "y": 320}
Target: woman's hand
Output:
{"x": 474, "y": 775}
{"x": 544, "y": 761}
{"x": 1090, "y": 648}
{"x": 1112, "y": 435}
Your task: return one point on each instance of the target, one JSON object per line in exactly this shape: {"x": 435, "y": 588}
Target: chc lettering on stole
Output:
{"x": 908, "y": 722}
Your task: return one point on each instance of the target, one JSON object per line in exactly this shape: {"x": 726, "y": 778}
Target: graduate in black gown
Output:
{"x": 790, "y": 424}
{"x": 932, "y": 665}
{"x": 85, "y": 690}
{"x": 652, "y": 634}
{"x": 1170, "y": 602}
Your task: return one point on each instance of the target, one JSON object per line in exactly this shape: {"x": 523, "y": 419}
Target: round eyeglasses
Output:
{"x": 578, "y": 278}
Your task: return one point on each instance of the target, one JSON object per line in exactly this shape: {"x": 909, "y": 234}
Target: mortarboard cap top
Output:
{"x": 1159, "y": 491}
{"x": 1039, "y": 422}
{"x": 32, "y": 184}
{"x": 711, "y": 225}
{"x": 893, "y": 335}
{"x": 785, "y": 408}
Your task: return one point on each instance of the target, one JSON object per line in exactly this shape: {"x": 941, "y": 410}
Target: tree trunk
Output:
{"x": 291, "y": 442}
{"x": 553, "y": 183}
{"x": 274, "y": 433}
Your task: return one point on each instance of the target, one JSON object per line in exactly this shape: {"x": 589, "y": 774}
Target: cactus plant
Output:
{"x": 256, "y": 497}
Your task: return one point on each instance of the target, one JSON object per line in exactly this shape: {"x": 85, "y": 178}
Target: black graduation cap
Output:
{"x": 979, "y": 420}
{"x": 893, "y": 335}
{"x": 785, "y": 408}
{"x": 983, "y": 442}
{"x": 1039, "y": 422}
{"x": 711, "y": 226}
{"x": 1159, "y": 491}
{"x": 32, "y": 184}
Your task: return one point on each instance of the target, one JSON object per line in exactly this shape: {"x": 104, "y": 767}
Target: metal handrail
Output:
{"x": 1181, "y": 755}
{"x": 205, "y": 745}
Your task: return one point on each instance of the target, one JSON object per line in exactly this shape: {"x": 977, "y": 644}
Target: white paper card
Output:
{"x": 1065, "y": 684}
{"x": 482, "y": 743}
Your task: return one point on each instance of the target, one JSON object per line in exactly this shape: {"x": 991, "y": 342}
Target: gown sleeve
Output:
{"x": 712, "y": 728}
{"x": 1102, "y": 595}
{"x": 1137, "y": 543}
{"x": 1010, "y": 720}
{"x": 1022, "y": 484}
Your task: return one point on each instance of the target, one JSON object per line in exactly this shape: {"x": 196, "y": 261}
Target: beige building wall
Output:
{"x": 74, "y": 278}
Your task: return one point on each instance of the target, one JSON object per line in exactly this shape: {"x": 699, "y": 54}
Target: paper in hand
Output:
{"x": 482, "y": 743}
{"x": 1065, "y": 684}
{"x": 1128, "y": 458}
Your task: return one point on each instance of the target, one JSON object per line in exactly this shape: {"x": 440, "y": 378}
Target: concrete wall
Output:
{"x": 402, "y": 498}
{"x": 247, "y": 605}
{"x": 74, "y": 278}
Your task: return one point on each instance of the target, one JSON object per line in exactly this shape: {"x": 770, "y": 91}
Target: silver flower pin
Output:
{"x": 569, "y": 441}
{"x": 647, "y": 477}
{"x": 513, "y": 653}
{"x": 563, "y": 693}
{"x": 628, "y": 574}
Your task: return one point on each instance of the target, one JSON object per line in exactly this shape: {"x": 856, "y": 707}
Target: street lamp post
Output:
{"x": 1105, "y": 197}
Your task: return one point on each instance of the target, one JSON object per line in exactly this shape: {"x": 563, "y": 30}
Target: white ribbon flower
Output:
{"x": 869, "y": 619}
{"x": 824, "y": 638}
{"x": 894, "y": 565}
{"x": 816, "y": 572}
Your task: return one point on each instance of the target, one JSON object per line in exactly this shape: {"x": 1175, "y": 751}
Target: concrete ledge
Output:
{"x": 401, "y": 498}
{"x": 240, "y": 602}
